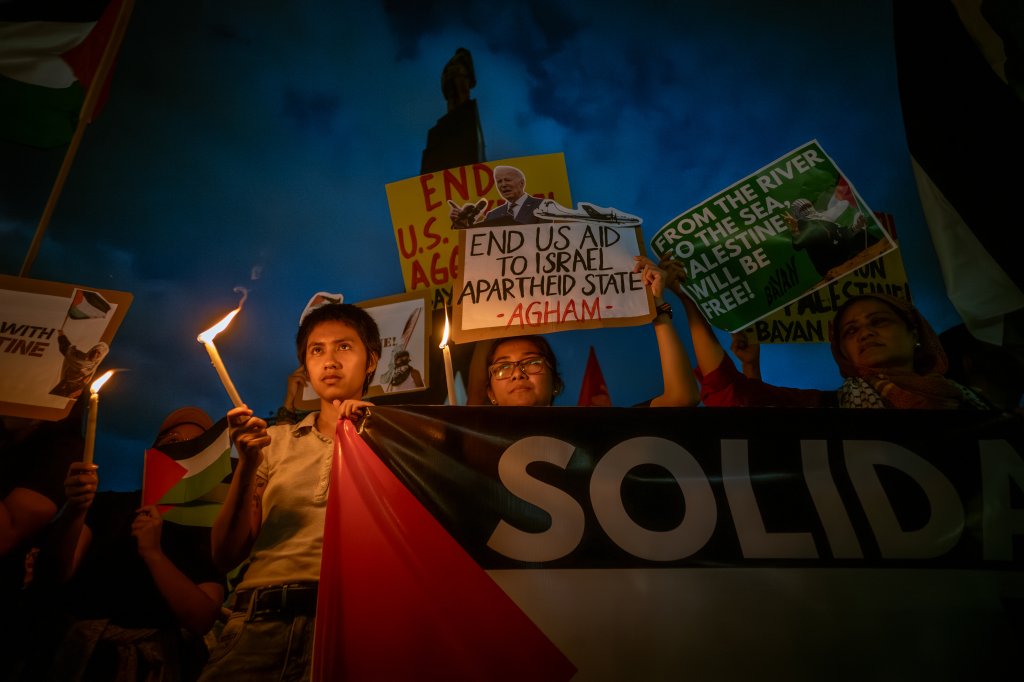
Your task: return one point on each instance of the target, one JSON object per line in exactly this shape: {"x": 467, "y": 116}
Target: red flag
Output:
{"x": 401, "y": 600}
{"x": 593, "y": 392}
{"x": 160, "y": 474}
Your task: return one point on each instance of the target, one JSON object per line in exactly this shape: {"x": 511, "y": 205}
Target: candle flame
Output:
{"x": 444, "y": 341}
{"x": 207, "y": 336}
{"x": 98, "y": 384}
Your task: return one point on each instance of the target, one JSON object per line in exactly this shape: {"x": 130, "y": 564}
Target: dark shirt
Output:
{"x": 114, "y": 582}
{"x": 39, "y": 462}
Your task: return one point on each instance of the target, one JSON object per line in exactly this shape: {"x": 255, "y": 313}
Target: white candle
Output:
{"x": 449, "y": 375}
{"x": 222, "y": 372}
{"x": 90, "y": 420}
{"x": 206, "y": 338}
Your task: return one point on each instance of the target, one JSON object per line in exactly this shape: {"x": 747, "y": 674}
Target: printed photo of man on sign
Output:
{"x": 428, "y": 211}
{"x": 784, "y": 231}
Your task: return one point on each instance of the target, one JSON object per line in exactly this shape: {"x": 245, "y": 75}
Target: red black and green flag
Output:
{"x": 189, "y": 480}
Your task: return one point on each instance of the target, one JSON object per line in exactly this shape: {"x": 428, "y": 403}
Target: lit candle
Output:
{"x": 206, "y": 338}
{"x": 90, "y": 422}
{"x": 449, "y": 375}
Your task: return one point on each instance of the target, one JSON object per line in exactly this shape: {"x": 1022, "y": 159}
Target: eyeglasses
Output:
{"x": 506, "y": 370}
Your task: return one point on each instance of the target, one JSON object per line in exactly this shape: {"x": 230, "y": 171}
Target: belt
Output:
{"x": 278, "y": 601}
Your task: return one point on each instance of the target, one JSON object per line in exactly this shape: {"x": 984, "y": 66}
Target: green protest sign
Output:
{"x": 785, "y": 230}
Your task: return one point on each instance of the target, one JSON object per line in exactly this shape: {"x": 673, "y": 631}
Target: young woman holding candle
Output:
{"x": 274, "y": 514}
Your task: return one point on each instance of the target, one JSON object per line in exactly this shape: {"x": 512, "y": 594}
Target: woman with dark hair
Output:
{"x": 887, "y": 353}
{"x": 523, "y": 370}
{"x": 889, "y": 356}
{"x": 273, "y": 517}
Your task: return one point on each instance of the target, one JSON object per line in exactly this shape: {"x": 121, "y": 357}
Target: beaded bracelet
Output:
{"x": 664, "y": 309}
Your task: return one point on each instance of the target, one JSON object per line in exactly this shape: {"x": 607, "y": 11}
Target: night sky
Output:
{"x": 249, "y": 146}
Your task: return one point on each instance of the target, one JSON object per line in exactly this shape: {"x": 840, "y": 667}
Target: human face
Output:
{"x": 179, "y": 433}
{"x": 872, "y": 334}
{"x": 511, "y": 184}
{"x": 337, "y": 361}
{"x": 521, "y": 389}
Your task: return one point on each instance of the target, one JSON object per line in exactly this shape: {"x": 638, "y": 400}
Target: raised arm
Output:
{"x": 706, "y": 347}
{"x": 69, "y": 538}
{"x": 238, "y": 522}
{"x": 722, "y": 385}
{"x": 195, "y": 606}
{"x": 680, "y": 387}
{"x": 747, "y": 350}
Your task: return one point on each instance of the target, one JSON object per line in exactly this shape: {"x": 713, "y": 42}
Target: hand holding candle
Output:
{"x": 90, "y": 423}
{"x": 206, "y": 338}
{"x": 448, "y": 373}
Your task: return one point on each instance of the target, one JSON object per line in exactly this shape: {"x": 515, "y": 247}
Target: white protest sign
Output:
{"x": 573, "y": 272}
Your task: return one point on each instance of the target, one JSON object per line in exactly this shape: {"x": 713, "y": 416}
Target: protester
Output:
{"x": 523, "y": 370}
{"x": 886, "y": 352}
{"x": 34, "y": 457}
{"x": 279, "y": 529}
{"x": 137, "y": 593}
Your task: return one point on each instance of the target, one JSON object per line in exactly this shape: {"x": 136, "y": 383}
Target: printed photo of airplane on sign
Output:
{"x": 551, "y": 210}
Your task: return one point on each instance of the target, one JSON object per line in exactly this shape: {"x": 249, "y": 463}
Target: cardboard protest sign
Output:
{"x": 421, "y": 209}
{"x": 786, "y": 230}
{"x": 806, "y": 319}
{"x": 403, "y": 321}
{"x": 573, "y": 272}
{"x": 53, "y": 337}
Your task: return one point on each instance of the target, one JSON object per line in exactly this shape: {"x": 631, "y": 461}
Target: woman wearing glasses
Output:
{"x": 523, "y": 371}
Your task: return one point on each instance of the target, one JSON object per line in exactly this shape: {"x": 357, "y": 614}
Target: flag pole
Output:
{"x": 84, "y": 118}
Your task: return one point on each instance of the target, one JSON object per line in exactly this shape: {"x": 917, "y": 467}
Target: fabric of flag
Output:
{"x": 49, "y": 53}
{"x": 188, "y": 480}
{"x": 965, "y": 131}
{"x": 88, "y": 305}
{"x": 593, "y": 392}
{"x": 399, "y": 599}
{"x": 842, "y": 193}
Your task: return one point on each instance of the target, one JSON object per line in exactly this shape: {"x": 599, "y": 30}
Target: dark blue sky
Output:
{"x": 249, "y": 145}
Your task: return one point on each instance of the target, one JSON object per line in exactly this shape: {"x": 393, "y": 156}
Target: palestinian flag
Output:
{"x": 189, "y": 480}
{"x": 400, "y": 599}
{"x": 963, "y": 111}
{"x": 88, "y": 305}
{"x": 593, "y": 391}
{"x": 50, "y": 51}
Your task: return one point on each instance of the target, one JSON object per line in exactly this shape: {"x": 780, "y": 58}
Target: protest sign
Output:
{"x": 784, "y": 231}
{"x": 806, "y": 319}
{"x": 403, "y": 321}
{"x": 421, "y": 214}
{"x": 53, "y": 337}
{"x": 574, "y": 272}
